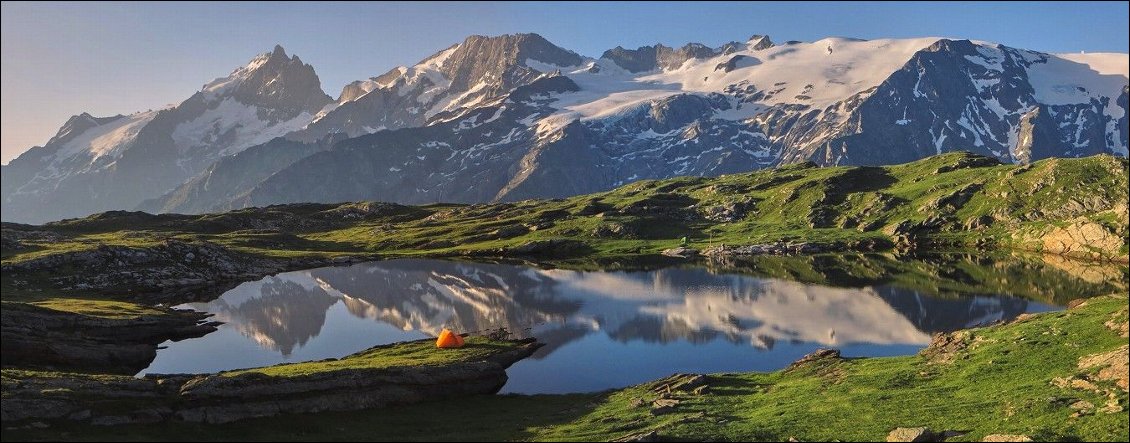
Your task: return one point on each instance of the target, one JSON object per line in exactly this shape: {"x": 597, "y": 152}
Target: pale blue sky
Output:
{"x": 60, "y": 59}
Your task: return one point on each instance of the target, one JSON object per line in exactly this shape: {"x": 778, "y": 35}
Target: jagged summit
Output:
{"x": 272, "y": 79}
{"x": 758, "y": 42}
{"x": 482, "y": 59}
{"x": 659, "y": 56}
{"x": 78, "y": 124}
{"x": 475, "y": 71}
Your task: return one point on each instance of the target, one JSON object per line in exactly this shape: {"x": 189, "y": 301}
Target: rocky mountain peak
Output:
{"x": 659, "y": 56}
{"x": 758, "y": 42}
{"x": 356, "y": 89}
{"x": 77, "y": 125}
{"x": 521, "y": 47}
{"x": 634, "y": 60}
{"x": 494, "y": 59}
{"x": 956, "y": 46}
{"x": 273, "y": 80}
{"x": 668, "y": 58}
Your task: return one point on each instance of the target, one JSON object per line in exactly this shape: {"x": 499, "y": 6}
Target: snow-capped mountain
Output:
{"x": 96, "y": 164}
{"x": 515, "y": 117}
{"x": 457, "y": 78}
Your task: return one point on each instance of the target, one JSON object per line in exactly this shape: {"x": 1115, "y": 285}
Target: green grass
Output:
{"x": 415, "y": 353}
{"x": 99, "y": 308}
{"x": 1000, "y": 381}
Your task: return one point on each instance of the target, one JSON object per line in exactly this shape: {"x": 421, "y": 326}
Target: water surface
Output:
{"x": 602, "y": 329}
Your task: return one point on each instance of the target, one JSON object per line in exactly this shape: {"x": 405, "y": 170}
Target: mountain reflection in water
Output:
{"x": 693, "y": 314}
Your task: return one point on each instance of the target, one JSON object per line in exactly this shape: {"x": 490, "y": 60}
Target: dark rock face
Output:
{"x": 732, "y": 63}
{"x": 504, "y": 57}
{"x": 1124, "y": 122}
{"x": 647, "y": 58}
{"x": 1037, "y": 134}
{"x": 669, "y": 58}
{"x": 634, "y": 60}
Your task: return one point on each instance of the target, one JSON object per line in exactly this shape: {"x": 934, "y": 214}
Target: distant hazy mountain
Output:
{"x": 515, "y": 117}
{"x": 94, "y": 164}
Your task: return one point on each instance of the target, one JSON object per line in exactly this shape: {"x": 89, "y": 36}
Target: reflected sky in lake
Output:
{"x": 601, "y": 329}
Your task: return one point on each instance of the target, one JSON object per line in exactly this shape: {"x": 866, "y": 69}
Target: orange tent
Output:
{"x": 448, "y": 339}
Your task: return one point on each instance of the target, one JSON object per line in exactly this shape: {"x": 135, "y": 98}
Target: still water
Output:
{"x": 602, "y": 329}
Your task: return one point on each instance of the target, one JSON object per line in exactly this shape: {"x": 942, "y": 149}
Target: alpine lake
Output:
{"x": 612, "y": 328}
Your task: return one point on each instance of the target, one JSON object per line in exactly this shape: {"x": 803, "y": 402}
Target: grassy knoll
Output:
{"x": 415, "y": 353}
{"x": 99, "y": 308}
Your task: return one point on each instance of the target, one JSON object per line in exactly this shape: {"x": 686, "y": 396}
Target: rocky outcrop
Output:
{"x": 647, "y": 58}
{"x": 554, "y": 247}
{"x": 914, "y": 434}
{"x": 1111, "y": 366}
{"x": 173, "y": 265}
{"x": 681, "y": 252}
{"x": 1007, "y": 438}
{"x": 817, "y": 357}
{"x": 944, "y": 347}
{"x": 14, "y": 239}
{"x": 790, "y": 248}
{"x": 221, "y": 398}
{"x": 37, "y": 337}
{"x": 1083, "y": 239}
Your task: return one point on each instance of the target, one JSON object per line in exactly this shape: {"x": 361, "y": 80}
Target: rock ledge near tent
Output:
{"x": 387, "y": 375}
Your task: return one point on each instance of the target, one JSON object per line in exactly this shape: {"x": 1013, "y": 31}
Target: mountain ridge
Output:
{"x": 694, "y": 110}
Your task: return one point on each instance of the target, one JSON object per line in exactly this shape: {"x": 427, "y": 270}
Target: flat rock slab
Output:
{"x": 360, "y": 381}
